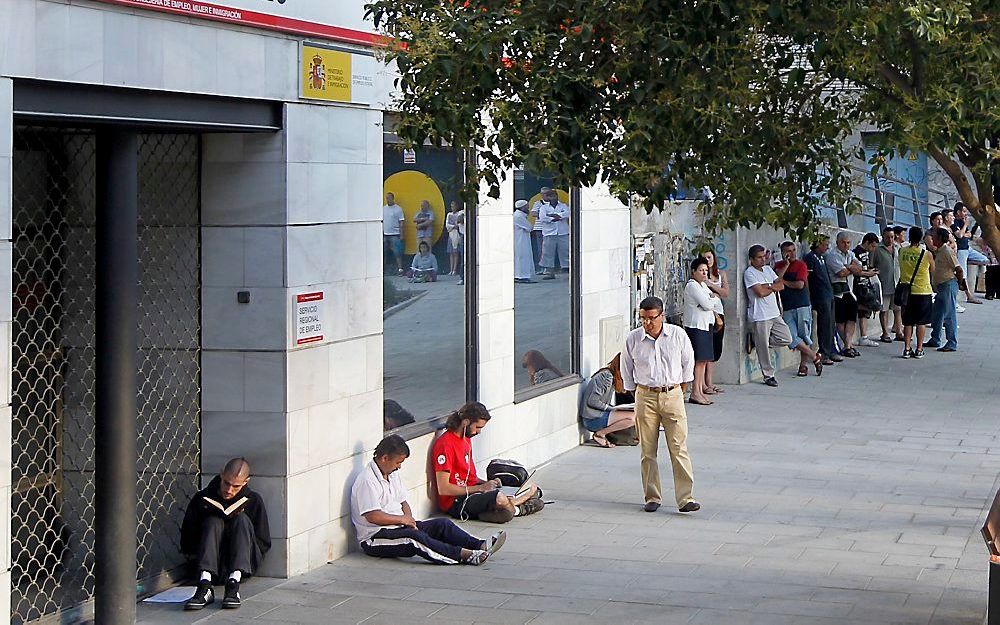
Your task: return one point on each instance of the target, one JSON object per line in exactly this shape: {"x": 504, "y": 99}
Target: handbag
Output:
{"x": 867, "y": 298}
{"x": 720, "y": 322}
{"x": 902, "y": 294}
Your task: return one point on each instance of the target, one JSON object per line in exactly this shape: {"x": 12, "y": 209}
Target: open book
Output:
{"x": 227, "y": 510}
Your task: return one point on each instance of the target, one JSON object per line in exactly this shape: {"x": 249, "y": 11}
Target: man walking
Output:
{"x": 821, "y": 296}
{"x": 769, "y": 330}
{"x": 946, "y": 276}
{"x": 657, "y": 363}
{"x": 885, "y": 259}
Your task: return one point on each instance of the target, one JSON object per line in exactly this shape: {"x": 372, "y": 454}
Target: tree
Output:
{"x": 753, "y": 99}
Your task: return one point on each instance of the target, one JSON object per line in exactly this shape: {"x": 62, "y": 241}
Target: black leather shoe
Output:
{"x": 770, "y": 381}
{"x": 232, "y": 598}
{"x": 691, "y": 506}
{"x": 203, "y": 595}
{"x": 651, "y": 506}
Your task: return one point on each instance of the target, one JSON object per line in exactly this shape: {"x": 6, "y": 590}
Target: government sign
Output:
{"x": 339, "y": 20}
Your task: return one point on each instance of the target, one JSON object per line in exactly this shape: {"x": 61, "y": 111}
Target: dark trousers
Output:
{"x": 437, "y": 540}
{"x": 536, "y": 248}
{"x": 993, "y": 281}
{"x": 824, "y": 326}
{"x": 228, "y": 545}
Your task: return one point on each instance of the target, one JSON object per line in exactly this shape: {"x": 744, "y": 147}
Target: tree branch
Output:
{"x": 895, "y": 77}
{"x": 919, "y": 67}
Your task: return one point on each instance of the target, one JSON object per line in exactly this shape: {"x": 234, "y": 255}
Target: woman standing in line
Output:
{"x": 718, "y": 283}
{"x": 700, "y": 308}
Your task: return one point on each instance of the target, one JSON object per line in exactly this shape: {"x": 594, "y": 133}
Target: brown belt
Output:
{"x": 657, "y": 389}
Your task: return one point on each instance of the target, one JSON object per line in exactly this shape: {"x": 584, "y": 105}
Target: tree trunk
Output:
{"x": 980, "y": 201}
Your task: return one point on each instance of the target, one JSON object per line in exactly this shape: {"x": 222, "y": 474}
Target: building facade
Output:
{"x": 252, "y": 142}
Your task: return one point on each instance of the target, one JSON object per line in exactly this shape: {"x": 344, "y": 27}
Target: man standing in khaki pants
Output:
{"x": 657, "y": 363}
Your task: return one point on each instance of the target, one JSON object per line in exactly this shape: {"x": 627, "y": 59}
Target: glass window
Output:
{"x": 424, "y": 296}
{"x": 543, "y": 280}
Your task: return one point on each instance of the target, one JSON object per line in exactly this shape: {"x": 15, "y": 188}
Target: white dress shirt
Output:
{"x": 551, "y": 226}
{"x": 667, "y": 360}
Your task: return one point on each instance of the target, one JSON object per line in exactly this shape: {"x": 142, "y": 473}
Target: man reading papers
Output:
{"x": 225, "y": 529}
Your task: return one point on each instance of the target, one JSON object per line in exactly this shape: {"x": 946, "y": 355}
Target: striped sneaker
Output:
{"x": 479, "y": 556}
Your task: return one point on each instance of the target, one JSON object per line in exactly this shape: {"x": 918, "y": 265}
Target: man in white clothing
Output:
{"x": 392, "y": 230}
{"x": 769, "y": 329}
{"x": 554, "y": 216}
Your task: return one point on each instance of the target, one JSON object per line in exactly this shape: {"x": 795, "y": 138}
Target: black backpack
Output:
{"x": 509, "y": 472}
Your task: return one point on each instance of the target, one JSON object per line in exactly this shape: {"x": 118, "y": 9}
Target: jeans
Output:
{"x": 943, "y": 314}
{"x": 799, "y": 322}
{"x": 824, "y": 326}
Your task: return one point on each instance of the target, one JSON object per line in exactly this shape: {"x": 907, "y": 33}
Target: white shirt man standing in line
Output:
{"x": 554, "y": 216}
{"x": 536, "y": 232}
{"x": 842, "y": 263}
{"x": 769, "y": 329}
{"x": 392, "y": 230}
{"x": 658, "y": 363}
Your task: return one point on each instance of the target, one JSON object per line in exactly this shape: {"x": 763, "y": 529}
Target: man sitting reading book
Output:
{"x": 385, "y": 524}
{"x": 225, "y": 528}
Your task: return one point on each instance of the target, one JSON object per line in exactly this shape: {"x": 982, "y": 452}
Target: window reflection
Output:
{"x": 424, "y": 300}
{"x": 542, "y": 292}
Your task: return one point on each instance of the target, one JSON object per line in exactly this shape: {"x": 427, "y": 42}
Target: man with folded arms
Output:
{"x": 658, "y": 363}
{"x": 385, "y": 524}
{"x": 225, "y": 528}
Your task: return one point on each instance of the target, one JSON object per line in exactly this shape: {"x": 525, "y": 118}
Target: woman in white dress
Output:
{"x": 524, "y": 264}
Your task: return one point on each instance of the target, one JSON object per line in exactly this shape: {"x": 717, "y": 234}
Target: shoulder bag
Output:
{"x": 902, "y": 294}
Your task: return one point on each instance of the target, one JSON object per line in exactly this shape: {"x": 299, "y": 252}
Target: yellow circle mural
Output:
{"x": 563, "y": 197}
{"x": 411, "y": 188}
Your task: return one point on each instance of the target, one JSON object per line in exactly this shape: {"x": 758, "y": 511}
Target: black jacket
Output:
{"x": 198, "y": 509}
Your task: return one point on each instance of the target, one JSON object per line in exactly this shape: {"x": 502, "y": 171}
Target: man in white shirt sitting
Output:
{"x": 769, "y": 329}
{"x": 385, "y": 524}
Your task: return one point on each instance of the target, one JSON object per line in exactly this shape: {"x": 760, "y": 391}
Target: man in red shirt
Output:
{"x": 797, "y": 309}
{"x": 460, "y": 491}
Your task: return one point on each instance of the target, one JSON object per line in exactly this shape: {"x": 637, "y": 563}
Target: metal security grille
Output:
{"x": 52, "y": 503}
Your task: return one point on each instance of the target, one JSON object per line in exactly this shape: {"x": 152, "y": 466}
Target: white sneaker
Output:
{"x": 867, "y": 342}
{"x": 479, "y": 556}
{"x": 960, "y": 309}
{"x": 494, "y": 542}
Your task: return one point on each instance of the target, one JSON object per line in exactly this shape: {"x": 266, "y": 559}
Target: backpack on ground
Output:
{"x": 509, "y": 472}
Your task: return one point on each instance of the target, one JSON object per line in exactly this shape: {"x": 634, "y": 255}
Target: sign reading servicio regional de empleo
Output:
{"x": 308, "y": 317}
{"x": 338, "y": 20}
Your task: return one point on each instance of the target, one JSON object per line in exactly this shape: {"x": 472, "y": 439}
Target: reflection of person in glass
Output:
{"x": 424, "y": 267}
{"x": 424, "y": 222}
{"x": 392, "y": 233}
{"x": 536, "y": 233}
{"x": 455, "y": 239}
{"x": 524, "y": 265}
{"x": 597, "y": 410}
{"x": 539, "y": 368}
{"x": 554, "y": 216}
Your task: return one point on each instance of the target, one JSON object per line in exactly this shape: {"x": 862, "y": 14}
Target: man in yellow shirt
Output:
{"x": 915, "y": 266}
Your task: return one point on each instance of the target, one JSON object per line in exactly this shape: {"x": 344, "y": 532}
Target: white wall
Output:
{"x": 286, "y": 213}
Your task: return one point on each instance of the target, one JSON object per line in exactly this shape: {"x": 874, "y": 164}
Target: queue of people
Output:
{"x": 424, "y": 264}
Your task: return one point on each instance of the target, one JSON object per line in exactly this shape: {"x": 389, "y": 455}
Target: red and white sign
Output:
{"x": 308, "y": 318}
{"x": 337, "y": 20}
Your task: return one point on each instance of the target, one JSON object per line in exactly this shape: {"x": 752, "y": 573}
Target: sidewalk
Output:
{"x": 862, "y": 509}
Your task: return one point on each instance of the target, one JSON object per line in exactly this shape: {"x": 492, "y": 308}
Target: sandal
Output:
{"x": 700, "y": 403}
{"x": 818, "y": 363}
{"x": 803, "y": 371}
{"x": 601, "y": 441}
{"x": 716, "y": 389}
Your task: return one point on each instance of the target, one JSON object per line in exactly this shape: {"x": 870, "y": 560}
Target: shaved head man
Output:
{"x": 225, "y": 529}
